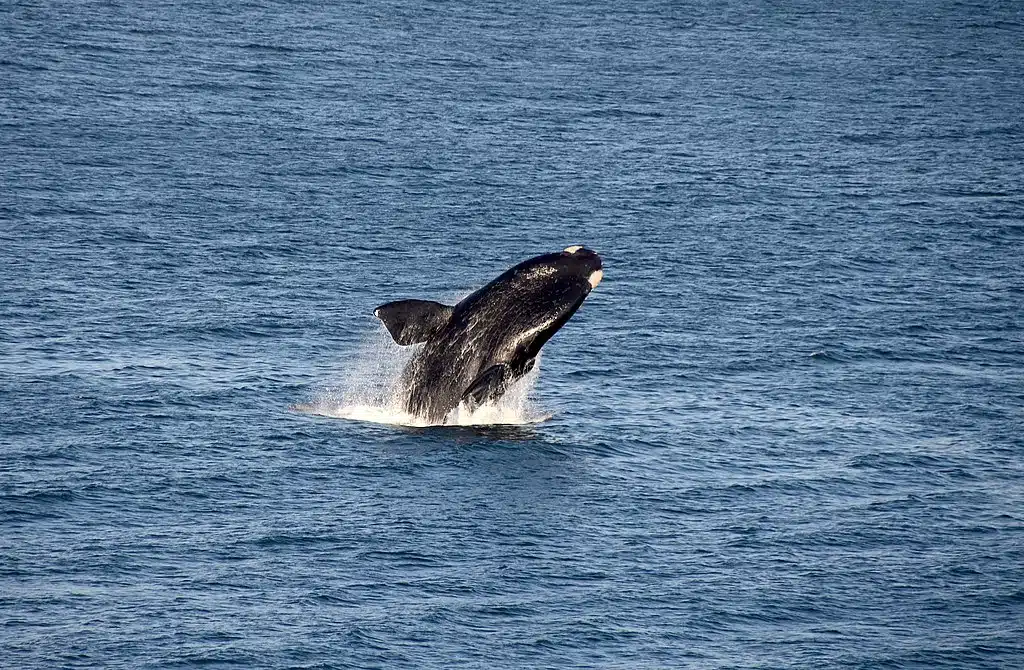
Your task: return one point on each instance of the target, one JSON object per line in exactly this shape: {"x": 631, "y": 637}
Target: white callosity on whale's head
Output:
{"x": 573, "y": 249}
{"x": 595, "y": 278}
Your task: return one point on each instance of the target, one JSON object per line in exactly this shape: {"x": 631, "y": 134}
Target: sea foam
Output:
{"x": 369, "y": 389}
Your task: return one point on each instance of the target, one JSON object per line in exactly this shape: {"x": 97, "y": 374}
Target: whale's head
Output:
{"x": 542, "y": 293}
{"x": 536, "y": 295}
{"x": 551, "y": 283}
{"x": 536, "y": 298}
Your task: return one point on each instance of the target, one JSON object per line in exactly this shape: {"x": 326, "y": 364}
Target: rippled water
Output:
{"x": 785, "y": 430}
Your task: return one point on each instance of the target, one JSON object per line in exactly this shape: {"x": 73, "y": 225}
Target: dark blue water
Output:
{"x": 786, "y": 430}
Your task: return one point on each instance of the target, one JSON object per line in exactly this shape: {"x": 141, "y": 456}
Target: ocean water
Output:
{"x": 786, "y": 431}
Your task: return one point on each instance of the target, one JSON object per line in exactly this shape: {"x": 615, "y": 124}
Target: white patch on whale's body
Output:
{"x": 527, "y": 335}
{"x": 595, "y": 278}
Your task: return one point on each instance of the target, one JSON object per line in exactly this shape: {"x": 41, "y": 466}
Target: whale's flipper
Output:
{"x": 488, "y": 386}
{"x": 412, "y": 321}
{"x": 494, "y": 381}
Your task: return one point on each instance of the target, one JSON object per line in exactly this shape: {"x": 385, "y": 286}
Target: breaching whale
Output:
{"x": 473, "y": 351}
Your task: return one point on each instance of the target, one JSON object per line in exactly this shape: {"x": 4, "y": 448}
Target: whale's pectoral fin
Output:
{"x": 494, "y": 381}
{"x": 412, "y": 321}
{"x": 487, "y": 387}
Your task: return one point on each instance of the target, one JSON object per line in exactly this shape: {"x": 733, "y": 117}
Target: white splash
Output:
{"x": 371, "y": 391}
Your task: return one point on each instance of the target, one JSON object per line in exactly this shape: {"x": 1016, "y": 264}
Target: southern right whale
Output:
{"x": 473, "y": 351}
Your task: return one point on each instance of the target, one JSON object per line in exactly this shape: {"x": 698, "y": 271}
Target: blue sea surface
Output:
{"x": 786, "y": 431}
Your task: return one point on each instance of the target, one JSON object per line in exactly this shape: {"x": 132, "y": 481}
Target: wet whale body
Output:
{"x": 473, "y": 351}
